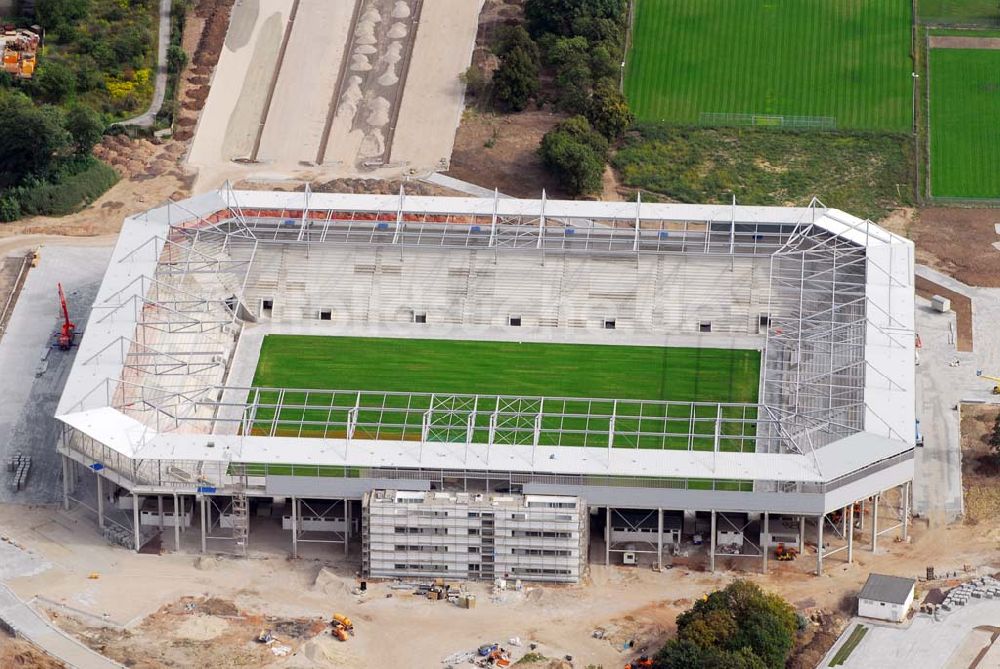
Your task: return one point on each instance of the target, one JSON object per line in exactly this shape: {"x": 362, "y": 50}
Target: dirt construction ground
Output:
{"x": 187, "y": 610}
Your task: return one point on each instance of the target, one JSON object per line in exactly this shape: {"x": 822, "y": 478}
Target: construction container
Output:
{"x": 470, "y": 601}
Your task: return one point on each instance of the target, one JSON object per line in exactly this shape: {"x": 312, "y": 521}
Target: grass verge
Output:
{"x": 865, "y": 174}
{"x": 852, "y": 642}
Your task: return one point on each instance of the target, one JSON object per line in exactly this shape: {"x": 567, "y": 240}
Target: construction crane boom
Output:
{"x": 996, "y": 388}
{"x": 65, "y": 336}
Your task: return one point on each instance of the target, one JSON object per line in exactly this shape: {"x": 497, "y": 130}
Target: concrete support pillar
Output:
{"x": 906, "y": 511}
{"x": 843, "y": 522}
{"x": 802, "y": 534}
{"x": 659, "y": 538}
{"x": 135, "y": 520}
{"x": 295, "y": 527}
{"x": 204, "y": 527}
{"x": 347, "y": 525}
{"x": 178, "y": 519}
{"x": 875, "y": 501}
{"x": 65, "y": 476}
{"x": 820, "y": 520}
{"x": 765, "y": 538}
{"x": 159, "y": 509}
{"x": 100, "y": 500}
{"x": 850, "y": 533}
{"x": 711, "y": 546}
{"x": 862, "y": 519}
{"x": 607, "y": 536}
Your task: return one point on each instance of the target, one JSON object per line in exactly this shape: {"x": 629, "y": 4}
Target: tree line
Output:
{"x": 580, "y": 44}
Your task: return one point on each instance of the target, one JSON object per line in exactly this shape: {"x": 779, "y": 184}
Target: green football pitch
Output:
{"x": 965, "y": 123}
{"x": 494, "y": 369}
{"x": 848, "y": 59}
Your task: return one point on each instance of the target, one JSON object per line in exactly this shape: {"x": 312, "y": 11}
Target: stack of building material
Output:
{"x": 985, "y": 587}
{"x": 18, "y": 466}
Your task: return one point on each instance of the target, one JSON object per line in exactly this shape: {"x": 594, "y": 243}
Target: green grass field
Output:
{"x": 961, "y": 12}
{"x": 848, "y": 59}
{"x": 492, "y": 369}
{"x": 965, "y": 123}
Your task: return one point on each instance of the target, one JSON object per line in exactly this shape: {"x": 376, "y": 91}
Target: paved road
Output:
{"x": 32, "y": 374}
{"x": 160, "y": 89}
{"x": 925, "y": 643}
{"x": 937, "y": 486}
{"x": 28, "y": 623}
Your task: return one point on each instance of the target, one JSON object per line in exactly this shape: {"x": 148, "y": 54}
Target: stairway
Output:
{"x": 240, "y": 510}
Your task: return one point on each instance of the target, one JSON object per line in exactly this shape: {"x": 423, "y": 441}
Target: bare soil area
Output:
{"x": 959, "y": 42}
{"x": 959, "y": 242}
{"x": 198, "y": 632}
{"x": 501, "y": 151}
{"x": 980, "y": 470}
{"x": 19, "y": 654}
{"x": 204, "y": 35}
{"x": 960, "y": 304}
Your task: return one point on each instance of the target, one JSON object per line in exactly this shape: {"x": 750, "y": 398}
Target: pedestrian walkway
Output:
{"x": 28, "y": 623}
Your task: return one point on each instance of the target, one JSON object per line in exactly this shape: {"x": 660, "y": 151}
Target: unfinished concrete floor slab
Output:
{"x": 309, "y": 89}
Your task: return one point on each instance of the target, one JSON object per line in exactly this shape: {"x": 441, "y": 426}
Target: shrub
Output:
{"x": 83, "y": 182}
{"x": 85, "y": 126}
{"x": 516, "y": 80}
{"x": 54, "y": 82}
{"x": 575, "y": 155}
{"x": 608, "y": 111}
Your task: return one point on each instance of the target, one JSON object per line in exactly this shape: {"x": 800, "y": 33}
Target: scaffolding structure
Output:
{"x": 151, "y": 400}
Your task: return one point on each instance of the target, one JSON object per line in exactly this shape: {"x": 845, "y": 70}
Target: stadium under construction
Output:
{"x": 448, "y": 477}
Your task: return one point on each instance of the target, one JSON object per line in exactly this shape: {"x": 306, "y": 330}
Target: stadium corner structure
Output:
{"x": 160, "y": 402}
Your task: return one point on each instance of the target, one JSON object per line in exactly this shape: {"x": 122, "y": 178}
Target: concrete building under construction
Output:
{"x": 161, "y": 405}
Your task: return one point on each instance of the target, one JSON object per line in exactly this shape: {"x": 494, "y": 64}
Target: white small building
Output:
{"x": 886, "y": 597}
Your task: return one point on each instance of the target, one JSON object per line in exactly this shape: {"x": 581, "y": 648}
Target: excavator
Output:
{"x": 785, "y": 553}
{"x": 64, "y": 338}
{"x": 996, "y": 388}
{"x": 342, "y": 626}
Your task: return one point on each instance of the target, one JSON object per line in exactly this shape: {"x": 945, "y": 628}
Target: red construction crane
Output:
{"x": 65, "y": 336}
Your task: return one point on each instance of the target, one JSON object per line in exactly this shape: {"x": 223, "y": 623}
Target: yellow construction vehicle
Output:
{"x": 996, "y": 388}
{"x": 342, "y": 626}
{"x": 785, "y": 554}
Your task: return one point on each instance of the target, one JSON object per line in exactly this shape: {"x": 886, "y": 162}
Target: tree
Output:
{"x": 54, "y": 82}
{"x": 749, "y": 627}
{"x": 684, "y": 654}
{"x": 575, "y": 154}
{"x": 30, "y": 138}
{"x": 85, "y": 127}
{"x": 560, "y": 16}
{"x": 176, "y": 59}
{"x": 515, "y": 37}
{"x": 608, "y": 111}
{"x": 59, "y": 16}
{"x": 994, "y": 439}
{"x": 516, "y": 80}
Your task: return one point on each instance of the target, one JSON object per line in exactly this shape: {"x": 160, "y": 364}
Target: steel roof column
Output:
{"x": 135, "y": 521}
{"x": 875, "y": 501}
{"x": 820, "y": 520}
{"x": 711, "y": 546}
